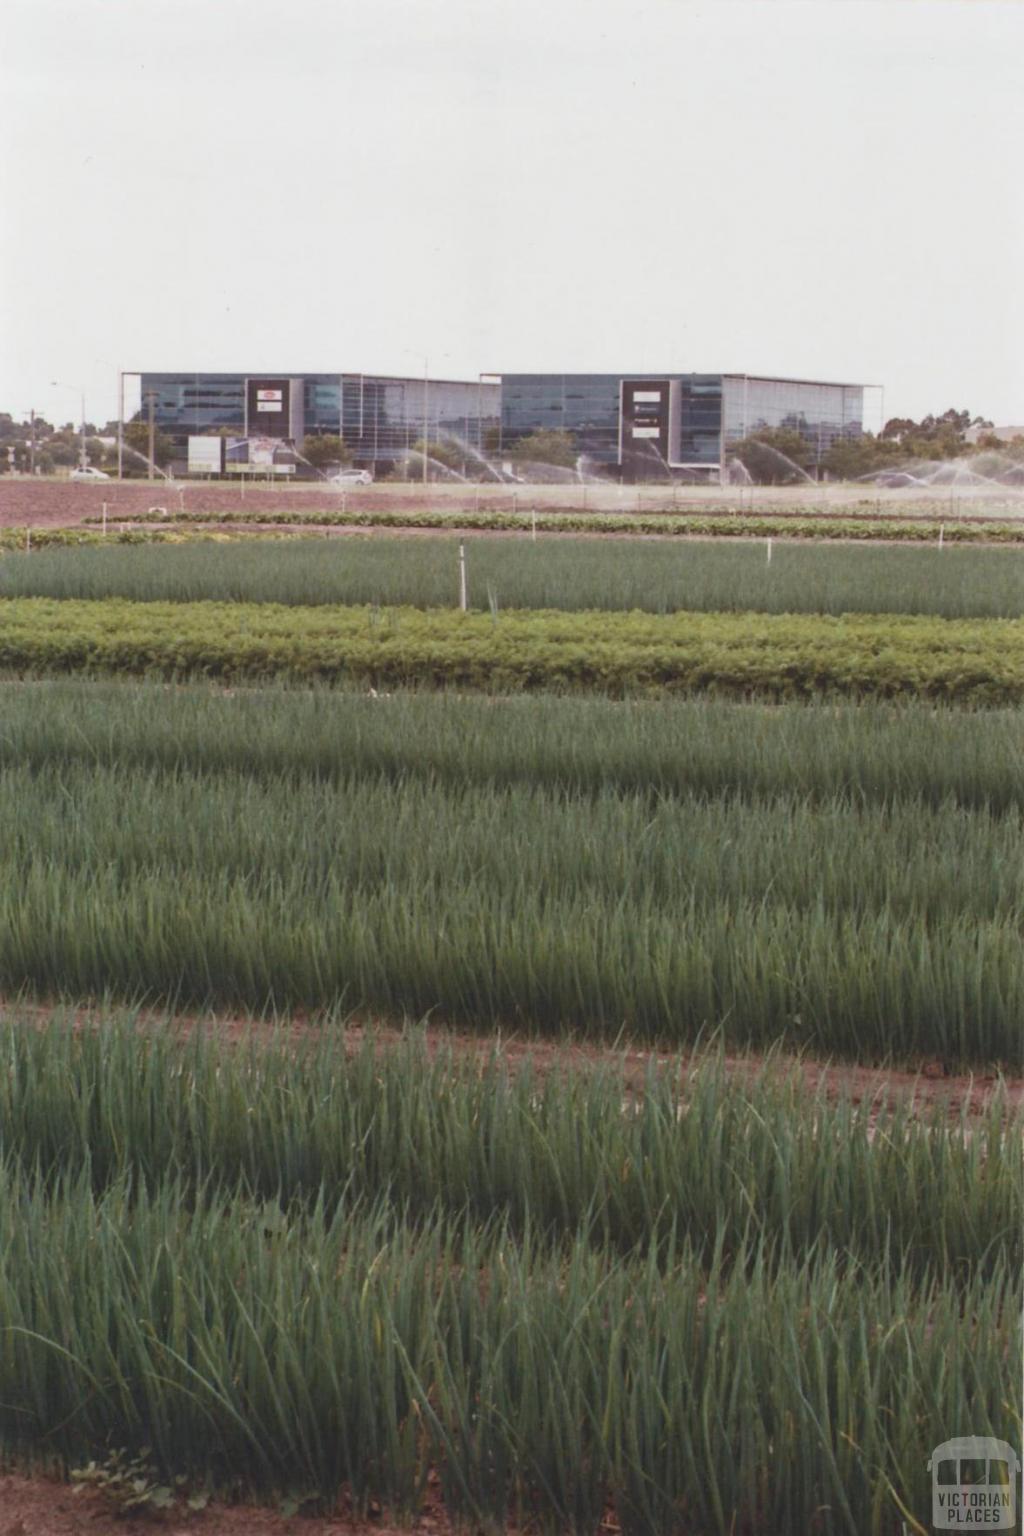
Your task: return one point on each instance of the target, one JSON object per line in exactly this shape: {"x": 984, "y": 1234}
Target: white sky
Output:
{"x": 819, "y": 188}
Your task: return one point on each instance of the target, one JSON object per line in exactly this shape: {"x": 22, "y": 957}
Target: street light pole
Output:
{"x": 59, "y": 384}
{"x": 426, "y": 418}
{"x": 120, "y": 423}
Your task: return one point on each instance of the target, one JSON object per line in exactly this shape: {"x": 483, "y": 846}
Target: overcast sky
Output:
{"x": 818, "y": 188}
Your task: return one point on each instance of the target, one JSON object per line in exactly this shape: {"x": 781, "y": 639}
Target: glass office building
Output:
{"x": 629, "y": 426}
{"x": 643, "y": 424}
{"x": 381, "y": 418}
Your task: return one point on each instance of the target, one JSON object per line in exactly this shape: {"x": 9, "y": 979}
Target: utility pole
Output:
{"x": 120, "y": 423}
{"x": 32, "y": 441}
{"x": 85, "y": 457}
{"x": 426, "y": 419}
{"x": 151, "y": 400}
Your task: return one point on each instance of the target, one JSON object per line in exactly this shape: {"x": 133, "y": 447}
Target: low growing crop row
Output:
{"x": 709, "y": 525}
{"x": 778, "y": 656}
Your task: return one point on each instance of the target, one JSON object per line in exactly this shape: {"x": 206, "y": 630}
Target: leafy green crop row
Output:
{"x": 714, "y": 524}
{"x": 873, "y": 753}
{"x": 584, "y": 573}
{"x": 780, "y": 656}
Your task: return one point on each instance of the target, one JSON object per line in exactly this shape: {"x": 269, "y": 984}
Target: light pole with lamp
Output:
{"x": 59, "y": 384}
{"x": 426, "y": 400}
{"x": 426, "y": 418}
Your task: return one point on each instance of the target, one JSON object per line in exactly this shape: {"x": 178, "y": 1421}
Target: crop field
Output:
{"x": 293, "y": 1271}
{"x": 291, "y": 847}
{"x": 780, "y": 656}
{"x": 920, "y": 527}
{"x": 578, "y": 574}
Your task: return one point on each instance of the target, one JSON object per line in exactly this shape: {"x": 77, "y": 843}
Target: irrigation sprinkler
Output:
{"x": 462, "y": 577}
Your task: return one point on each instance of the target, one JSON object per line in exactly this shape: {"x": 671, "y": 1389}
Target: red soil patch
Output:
{"x": 923, "y": 1089}
{"x": 50, "y": 503}
{"x": 37, "y": 1506}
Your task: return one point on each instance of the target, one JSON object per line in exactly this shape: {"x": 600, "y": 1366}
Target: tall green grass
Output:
{"x": 574, "y": 574}
{"x": 874, "y": 753}
{"x": 718, "y": 1160}
{"x": 867, "y": 933}
{"x": 255, "y": 1346}
{"x": 286, "y": 1269}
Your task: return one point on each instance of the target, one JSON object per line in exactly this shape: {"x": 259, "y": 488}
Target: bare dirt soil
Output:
{"x": 38, "y": 1506}
{"x": 920, "y": 1089}
{"x": 53, "y": 503}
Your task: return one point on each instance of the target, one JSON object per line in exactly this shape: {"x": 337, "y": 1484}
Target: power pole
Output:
{"x": 426, "y": 420}
{"x": 151, "y": 399}
{"x": 32, "y": 441}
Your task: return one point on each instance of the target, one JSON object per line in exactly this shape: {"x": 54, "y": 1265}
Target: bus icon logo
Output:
{"x": 974, "y": 1485}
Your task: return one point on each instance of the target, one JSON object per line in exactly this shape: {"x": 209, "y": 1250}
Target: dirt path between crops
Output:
{"x": 924, "y": 1088}
{"x": 37, "y": 1506}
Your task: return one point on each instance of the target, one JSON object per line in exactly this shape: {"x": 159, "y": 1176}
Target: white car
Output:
{"x": 351, "y": 477}
{"x": 89, "y": 473}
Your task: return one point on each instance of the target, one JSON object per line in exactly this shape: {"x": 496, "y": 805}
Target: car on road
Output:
{"x": 351, "y": 477}
{"x": 89, "y": 473}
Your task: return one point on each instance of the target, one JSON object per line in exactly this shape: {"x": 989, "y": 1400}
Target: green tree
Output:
{"x": 136, "y": 436}
{"x": 849, "y": 458}
{"x": 546, "y": 447}
{"x": 325, "y": 449}
{"x": 775, "y": 456}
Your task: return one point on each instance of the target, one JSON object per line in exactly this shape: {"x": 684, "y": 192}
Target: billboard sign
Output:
{"x": 260, "y": 456}
{"x": 205, "y": 455}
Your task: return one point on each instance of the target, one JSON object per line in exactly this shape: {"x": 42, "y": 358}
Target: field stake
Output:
{"x": 768, "y": 551}
{"x": 533, "y": 520}
{"x": 28, "y": 538}
{"x": 462, "y": 577}
{"x": 942, "y": 529}
{"x": 104, "y": 519}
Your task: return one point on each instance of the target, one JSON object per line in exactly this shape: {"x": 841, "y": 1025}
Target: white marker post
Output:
{"x": 768, "y": 551}
{"x": 533, "y": 519}
{"x": 462, "y": 577}
{"x": 942, "y": 529}
{"x": 104, "y": 519}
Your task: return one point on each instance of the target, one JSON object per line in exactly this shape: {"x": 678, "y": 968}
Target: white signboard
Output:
{"x": 646, "y": 431}
{"x": 205, "y": 455}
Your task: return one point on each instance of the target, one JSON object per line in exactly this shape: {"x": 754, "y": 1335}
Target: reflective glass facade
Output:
{"x": 820, "y": 412}
{"x": 380, "y": 418}
{"x": 588, "y": 406}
